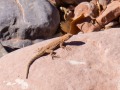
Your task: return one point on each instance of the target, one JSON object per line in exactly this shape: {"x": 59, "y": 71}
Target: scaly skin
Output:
{"x": 48, "y": 49}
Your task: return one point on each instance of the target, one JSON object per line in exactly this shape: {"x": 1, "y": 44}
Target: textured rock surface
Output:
{"x": 111, "y": 12}
{"x": 31, "y": 19}
{"x": 2, "y": 50}
{"x": 16, "y": 44}
{"x": 83, "y": 23}
{"x": 69, "y": 1}
{"x": 93, "y": 63}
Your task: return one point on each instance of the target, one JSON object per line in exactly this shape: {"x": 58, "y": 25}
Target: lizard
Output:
{"x": 48, "y": 49}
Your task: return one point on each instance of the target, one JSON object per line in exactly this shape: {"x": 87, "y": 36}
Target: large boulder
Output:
{"x": 27, "y": 19}
{"x": 92, "y": 64}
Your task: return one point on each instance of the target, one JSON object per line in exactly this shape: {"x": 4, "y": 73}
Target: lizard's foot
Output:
{"x": 54, "y": 55}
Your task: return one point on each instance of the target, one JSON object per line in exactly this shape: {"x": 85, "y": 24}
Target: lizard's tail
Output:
{"x": 27, "y": 71}
{"x": 28, "y": 68}
{"x": 29, "y": 64}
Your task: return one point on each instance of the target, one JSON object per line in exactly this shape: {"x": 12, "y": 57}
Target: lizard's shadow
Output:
{"x": 74, "y": 43}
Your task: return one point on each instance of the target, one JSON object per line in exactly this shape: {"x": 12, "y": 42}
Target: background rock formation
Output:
{"x": 31, "y": 19}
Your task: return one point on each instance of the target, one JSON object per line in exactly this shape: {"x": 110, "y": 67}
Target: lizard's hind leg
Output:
{"x": 52, "y": 53}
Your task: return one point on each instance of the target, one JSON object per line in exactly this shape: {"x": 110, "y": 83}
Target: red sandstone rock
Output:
{"x": 86, "y": 8}
{"x": 104, "y": 3}
{"x": 111, "y": 12}
{"x": 69, "y": 1}
{"x": 86, "y": 27}
{"x": 84, "y": 13}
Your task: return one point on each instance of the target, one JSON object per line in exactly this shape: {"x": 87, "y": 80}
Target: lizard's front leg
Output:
{"x": 64, "y": 47}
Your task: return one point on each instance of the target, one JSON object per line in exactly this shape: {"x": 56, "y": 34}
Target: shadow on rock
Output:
{"x": 75, "y": 43}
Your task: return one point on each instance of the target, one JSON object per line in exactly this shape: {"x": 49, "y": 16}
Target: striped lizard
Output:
{"x": 48, "y": 49}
